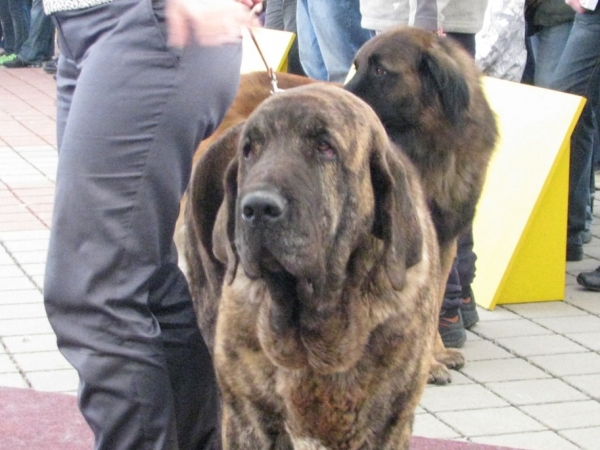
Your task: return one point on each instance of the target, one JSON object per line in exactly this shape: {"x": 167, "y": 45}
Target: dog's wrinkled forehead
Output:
{"x": 312, "y": 108}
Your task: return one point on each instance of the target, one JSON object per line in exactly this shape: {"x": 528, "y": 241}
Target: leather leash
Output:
{"x": 274, "y": 88}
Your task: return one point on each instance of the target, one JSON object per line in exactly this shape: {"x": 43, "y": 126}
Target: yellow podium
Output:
{"x": 274, "y": 45}
{"x": 521, "y": 220}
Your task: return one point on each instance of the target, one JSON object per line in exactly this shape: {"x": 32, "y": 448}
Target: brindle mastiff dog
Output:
{"x": 327, "y": 264}
{"x": 427, "y": 92}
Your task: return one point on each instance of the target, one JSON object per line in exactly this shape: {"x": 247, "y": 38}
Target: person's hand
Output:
{"x": 250, "y": 3}
{"x": 576, "y": 6}
{"x": 210, "y": 22}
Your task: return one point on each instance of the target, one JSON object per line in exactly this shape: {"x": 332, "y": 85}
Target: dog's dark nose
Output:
{"x": 262, "y": 207}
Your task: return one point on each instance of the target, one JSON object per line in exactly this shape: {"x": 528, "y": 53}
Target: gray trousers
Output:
{"x": 131, "y": 112}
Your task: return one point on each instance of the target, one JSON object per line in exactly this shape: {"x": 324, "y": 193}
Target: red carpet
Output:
{"x": 32, "y": 420}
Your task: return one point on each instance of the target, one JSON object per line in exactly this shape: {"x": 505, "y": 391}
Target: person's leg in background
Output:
{"x": 329, "y": 35}
{"x": 39, "y": 46}
{"x": 309, "y": 52}
{"x": 8, "y": 32}
{"x": 578, "y": 72}
{"x": 281, "y": 15}
{"x": 114, "y": 294}
{"x": 20, "y": 12}
{"x": 547, "y": 46}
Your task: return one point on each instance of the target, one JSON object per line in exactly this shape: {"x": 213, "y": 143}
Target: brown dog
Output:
{"x": 427, "y": 92}
{"x": 328, "y": 309}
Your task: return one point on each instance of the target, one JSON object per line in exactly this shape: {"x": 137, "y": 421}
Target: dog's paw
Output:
{"x": 452, "y": 359}
{"x": 439, "y": 374}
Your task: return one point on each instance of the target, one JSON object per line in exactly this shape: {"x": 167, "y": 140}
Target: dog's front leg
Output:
{"x": 444, "y": 358}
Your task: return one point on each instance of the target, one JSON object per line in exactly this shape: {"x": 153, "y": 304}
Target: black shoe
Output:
{"x": 50, "y": 66}
{"x": 451, "y": 328}
{"x": 468, "y": 309}
{"x": 18, "y": 63}
{"x": 590, "y": 280}
{"x": 574, "y": 252}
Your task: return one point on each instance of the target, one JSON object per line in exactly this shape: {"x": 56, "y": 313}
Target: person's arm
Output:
{"x": 210, "y": 22}
{"x": 426, "y": 15}
{"x": 582, "y": 6}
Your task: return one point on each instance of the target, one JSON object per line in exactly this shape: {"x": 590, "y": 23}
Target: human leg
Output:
{"x": 578, "y": 72}
{"x": 466, "y": 273}
{"x": 39, "y": 46}
{"x": 281, "y": 15}
{"x": 547, "y": 46}
{"x": 338, "y": 34}
{"x": 20, "y": 15}
{"x": 274, "y": 15}
{"x": 311, "y": 58}
{"x": 451, "y": 325}
{"x": 114, "y": 295}
{"x": 8, "y": 31}
{"x": 459, "y": 310}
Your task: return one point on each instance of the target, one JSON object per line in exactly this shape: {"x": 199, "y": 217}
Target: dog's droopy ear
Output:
{"x": 205, "y": 196}
{"x": 224, "y": 231}
{"x": 396, "y": 221}
{"x": 443, "y": 78}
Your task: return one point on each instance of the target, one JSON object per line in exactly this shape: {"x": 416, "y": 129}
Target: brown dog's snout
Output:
{"x": 262, "y": 207}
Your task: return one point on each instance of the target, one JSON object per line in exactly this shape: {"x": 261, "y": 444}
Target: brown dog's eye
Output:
{"x": 379, "y": 71}
{"x": 325, "y": 149}
{"x": 247, "y": 150}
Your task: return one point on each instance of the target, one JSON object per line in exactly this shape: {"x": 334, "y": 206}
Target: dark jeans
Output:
{"x": 281, "y": 15}
{"x": 39, "y": 46}
{"x": 131, "y": 112}
{"x": 578, "y": 72}
{"x": 15, "y": 18}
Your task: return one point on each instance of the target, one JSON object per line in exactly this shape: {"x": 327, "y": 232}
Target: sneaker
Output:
{"x": 4, "y": 58}
{"x": 590, "y": 280}
{"x": 586, "y": 236}
{"x": 468, "y": 309}
{"x": 18, "y": 63}
{"x": 451, "y": 328}
{"x": 50, "y": 66}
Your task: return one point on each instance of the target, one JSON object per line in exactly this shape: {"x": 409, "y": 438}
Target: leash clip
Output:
{"x": 274, "y": 88}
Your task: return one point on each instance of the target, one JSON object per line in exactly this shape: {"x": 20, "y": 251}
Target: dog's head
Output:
{"x": 405, "y": 73}
{"x": 314, "y": 178}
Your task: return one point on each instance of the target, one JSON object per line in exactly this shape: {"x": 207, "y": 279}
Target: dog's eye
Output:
{"x": 379, "y": 71}
{"x": 325, "y": 149}
{"x": 247, "y": 150}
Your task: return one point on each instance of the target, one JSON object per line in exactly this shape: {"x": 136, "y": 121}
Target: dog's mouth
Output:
{"x": 288, "y": 289}
{"x": 265, "y": 263}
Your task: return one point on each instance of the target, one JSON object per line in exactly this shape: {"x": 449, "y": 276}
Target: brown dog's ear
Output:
{"x": 224, "y": 231}
{"x": 396, "y": 221}
{"x": 205, "y": 196}
{"x": 443, "y": 79}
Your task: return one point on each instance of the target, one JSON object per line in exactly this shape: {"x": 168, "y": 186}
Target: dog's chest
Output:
{"x": 328, "y": 405}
